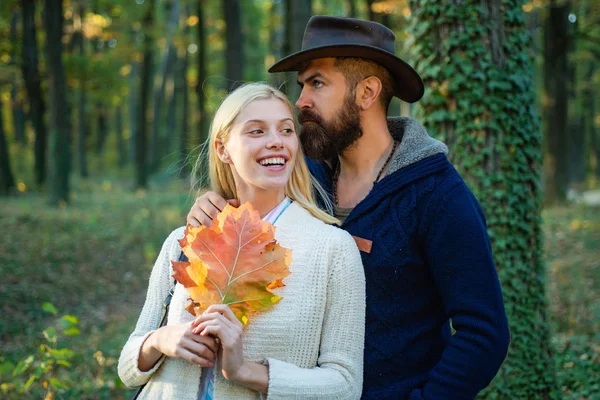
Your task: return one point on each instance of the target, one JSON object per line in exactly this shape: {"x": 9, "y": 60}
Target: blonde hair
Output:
{"x": 301, "y": 184}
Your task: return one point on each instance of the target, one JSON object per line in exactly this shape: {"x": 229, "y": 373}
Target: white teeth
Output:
{"x": 273, "y": 161}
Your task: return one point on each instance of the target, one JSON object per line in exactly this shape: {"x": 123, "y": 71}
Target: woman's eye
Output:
{"x": 255, "y": 132}
{"x": 288, "y": 131}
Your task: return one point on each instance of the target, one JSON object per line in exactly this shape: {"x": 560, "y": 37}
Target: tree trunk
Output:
{"x": 142, "y": 122}
{"x": 181, "y": 87}
{"x": 594, "y": 136}
{"x": 481, "y": 102}
{"x": 578, "y": 154}
{"x": 33, "y": 83}
{"x": 7, "y": 180}
{"x": 372, "y": 14}
{"x": 122, "y": 153}
{"x": 82, "y": 118}
{"x": 133, "y": 107}
{"x": 60, "y": 154}
{"x": 352, "y": 8}
{"x": 277, "y": 37}
{"x": 15, "y": 98}
{"x": 164, "y": 72}
{"x": 556, "y": 45}
{"x": 297, "y": 15}
{"x": 233, "y": 39}
{"x": 202, "y": 69}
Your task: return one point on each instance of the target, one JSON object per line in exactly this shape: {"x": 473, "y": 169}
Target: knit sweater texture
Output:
{"x": 430, "y": 262}
{"x": 312, "y": 339}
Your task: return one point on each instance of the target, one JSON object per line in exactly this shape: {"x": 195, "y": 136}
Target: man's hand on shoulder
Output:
{"x": 206, "y": 207}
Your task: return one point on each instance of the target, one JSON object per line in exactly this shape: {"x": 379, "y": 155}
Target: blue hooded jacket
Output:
{"x": 430, "y": 269}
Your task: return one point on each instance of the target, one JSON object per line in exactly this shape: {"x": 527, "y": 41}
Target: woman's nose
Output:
{"x": 274, "y": 140}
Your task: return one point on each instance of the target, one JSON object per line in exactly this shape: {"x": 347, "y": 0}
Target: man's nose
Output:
{"x": 304, "y": 100}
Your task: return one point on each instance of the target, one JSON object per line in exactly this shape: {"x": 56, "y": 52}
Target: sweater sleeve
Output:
{"x": 339, "y": 370}
{"x": 149, "y": 319}
{"x": 458, "y": 251}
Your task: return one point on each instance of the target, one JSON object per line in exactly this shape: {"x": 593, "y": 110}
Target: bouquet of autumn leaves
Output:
{"x": 236, "y": 261}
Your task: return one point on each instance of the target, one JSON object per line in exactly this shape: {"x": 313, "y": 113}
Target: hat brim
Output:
{"x": 408, "y": 84}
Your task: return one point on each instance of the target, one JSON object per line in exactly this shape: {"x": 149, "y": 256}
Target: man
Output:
{"x": 435, "y": 325}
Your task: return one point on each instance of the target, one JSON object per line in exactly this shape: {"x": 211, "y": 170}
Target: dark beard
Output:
{"x": 324, "y": 141}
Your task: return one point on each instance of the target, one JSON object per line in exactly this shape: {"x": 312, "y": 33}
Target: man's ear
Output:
{"x": 367, "y": 92}
{"x": 222, "y": 151}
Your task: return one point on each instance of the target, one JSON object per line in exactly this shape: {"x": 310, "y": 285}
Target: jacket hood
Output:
{"x": 415, "y": 143}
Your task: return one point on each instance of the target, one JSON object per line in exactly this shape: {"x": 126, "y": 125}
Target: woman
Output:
{"x": 310, "y": 344}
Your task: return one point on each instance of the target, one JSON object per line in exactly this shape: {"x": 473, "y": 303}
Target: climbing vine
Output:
{"x": 475, "y": 62}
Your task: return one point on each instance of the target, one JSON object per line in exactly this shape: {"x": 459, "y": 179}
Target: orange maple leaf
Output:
{"x": 236, "y": 261}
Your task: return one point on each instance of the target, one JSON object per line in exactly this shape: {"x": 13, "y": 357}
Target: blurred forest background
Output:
{"x": 104, "y": 102}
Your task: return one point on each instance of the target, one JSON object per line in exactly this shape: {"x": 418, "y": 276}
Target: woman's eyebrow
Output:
{"x": 260, "y": 121}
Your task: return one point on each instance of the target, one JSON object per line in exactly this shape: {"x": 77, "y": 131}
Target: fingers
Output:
{"x": 234, "y": 202}
{"x": 210, "y": 319}
{"x": 224, "y": 310}
{"x": 206, "y": 341}
{"x": 206, "y": 207}
{"x": 194, "y": 358}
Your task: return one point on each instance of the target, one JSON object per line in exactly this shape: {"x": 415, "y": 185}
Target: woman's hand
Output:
{"x": 178, "y": 341}
{"x": 218, "y": 320}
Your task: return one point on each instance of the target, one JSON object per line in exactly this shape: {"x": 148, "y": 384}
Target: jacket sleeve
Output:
{"x": 458, "y": 251}
{"x": 149, "y": 319}
{"x": 339, "y": 370}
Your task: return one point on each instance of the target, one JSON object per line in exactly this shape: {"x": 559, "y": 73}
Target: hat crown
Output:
{"x": 328, "y": 31}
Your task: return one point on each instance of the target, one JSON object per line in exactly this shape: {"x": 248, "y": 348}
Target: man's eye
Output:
{"x": 317, "y": 84}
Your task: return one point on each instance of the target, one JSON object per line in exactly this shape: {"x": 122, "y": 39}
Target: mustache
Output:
{"x": 309, "y": 115}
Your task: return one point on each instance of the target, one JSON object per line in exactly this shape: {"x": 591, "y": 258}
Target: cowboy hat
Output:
{"x": 348, "y": 37}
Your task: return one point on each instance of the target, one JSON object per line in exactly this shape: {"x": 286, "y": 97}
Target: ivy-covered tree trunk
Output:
{"x": 33, "y": 83}
{"x": 473, "y": 57}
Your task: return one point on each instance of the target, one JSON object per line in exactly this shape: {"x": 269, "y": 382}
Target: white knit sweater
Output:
{"x": 313, "y": 338}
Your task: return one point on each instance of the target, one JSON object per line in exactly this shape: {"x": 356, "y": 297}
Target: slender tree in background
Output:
{"x": 580, "y": 129}
{"x": 234, "y": 62}
{"x": 82, "y": 117}
{"x": 6, "y": 177}
{"x": 165, "y": 70}
{"x": 297, "y": 14}
{"x": 132, "y": 104}
{"x": 18, "y": 115}
{"x": 60, "y": 154}
{"x": 202, "y": 127}
{"x": 141, "y": 171}
{"x": 555, "y": 101}
{"x": 122, "y": 153}
{"x": 473, "y": 57}
{"x": 181, "y": 87}
{"x": 352, "y": 8}
{"x": 33, "y": 83}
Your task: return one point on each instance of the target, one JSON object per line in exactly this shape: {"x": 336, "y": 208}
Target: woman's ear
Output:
{"x": 222, "y": 151}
